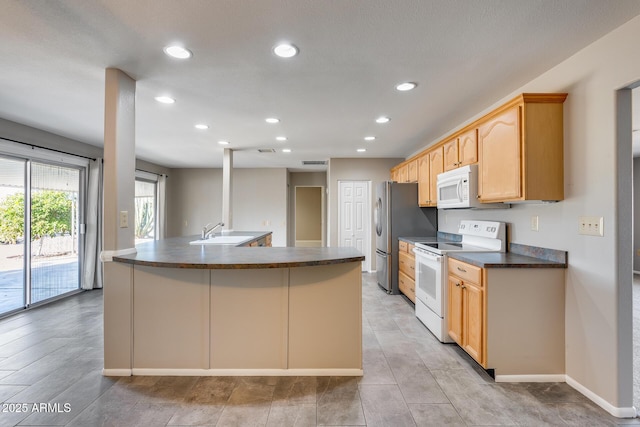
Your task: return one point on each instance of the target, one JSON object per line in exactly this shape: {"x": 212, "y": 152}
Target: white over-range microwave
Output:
{"x": 458, "y": 189}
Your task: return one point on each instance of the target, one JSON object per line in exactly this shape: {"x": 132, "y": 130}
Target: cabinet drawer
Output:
{"x": 407, "y": 286}
{"x": 403, "y": 246}
{"x": 466, "y": 272}
{"x": 407, "y": 264}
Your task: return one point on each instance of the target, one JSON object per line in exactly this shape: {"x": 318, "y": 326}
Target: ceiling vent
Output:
{"x": 314, "y": 162}
{"x": 266, "y": 150}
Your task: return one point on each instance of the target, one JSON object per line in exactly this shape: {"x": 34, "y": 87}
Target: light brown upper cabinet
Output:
{"x": 430, "y": 164}
{"x": 520, "y": 148}
{"x": 402, "y": 174}
{"x": 450, "y": 154}
{"x": 424, "y": 181}
{"x": 394, "y": 174}
{"x": 461, "y": 151}
{"x": 412, "y": 171}
{"x": 468, "y": 148}
{"x": 436, "y": 166}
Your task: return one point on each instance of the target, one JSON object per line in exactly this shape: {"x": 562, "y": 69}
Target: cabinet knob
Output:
{"x": 464, "y": 287}
{"x": 478, "y": 196}
{"x": 457, "y": 283}
{"x": 461, "y": 269}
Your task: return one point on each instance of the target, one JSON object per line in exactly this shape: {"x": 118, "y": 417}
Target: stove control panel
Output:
{"x": 488, "y": 229}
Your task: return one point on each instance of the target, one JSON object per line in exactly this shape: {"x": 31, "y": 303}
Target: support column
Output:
{"x": 119, "y": 219}
{"x": 227, "y": 187}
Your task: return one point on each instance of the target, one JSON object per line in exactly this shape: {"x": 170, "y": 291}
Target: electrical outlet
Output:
{"x": 591, "y": 225}
{"x": 534, "y": 223}
{"x": 124, "y": 219}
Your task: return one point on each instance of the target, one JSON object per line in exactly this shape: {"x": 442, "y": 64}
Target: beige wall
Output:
{"x": 349, "y": 169}
{"x": 259, "y": 201}
{"x": 194, "y": 198}
{"x": 598, "y": 306}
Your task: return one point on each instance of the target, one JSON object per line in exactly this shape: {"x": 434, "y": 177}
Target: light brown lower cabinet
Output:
{"x": 510, "y": 320}
{"x": 466, "y": 308}
{"x": 407, "y": 270}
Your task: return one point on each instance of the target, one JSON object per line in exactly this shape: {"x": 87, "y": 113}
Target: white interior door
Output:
{"x": 354, "y": 226}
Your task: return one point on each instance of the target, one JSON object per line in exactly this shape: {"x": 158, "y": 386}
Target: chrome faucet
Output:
{"x": 206, "y": 231}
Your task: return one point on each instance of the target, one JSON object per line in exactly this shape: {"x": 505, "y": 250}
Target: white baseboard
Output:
{"x": 116, "y": 372}
{"x": 549, "y": 378}
{"x": 627, "y": 412}
{"x": 249, "y": 372}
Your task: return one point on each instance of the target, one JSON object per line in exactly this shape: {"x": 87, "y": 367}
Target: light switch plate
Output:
{"x": 124, "y": 219}
{"x": 534, "y": 223}
{"x": 591, "y": 225}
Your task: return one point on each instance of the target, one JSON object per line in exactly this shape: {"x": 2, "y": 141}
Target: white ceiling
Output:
{"x": 464, "y": 54}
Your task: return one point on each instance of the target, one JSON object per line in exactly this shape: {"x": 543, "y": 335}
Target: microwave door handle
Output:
{"x": 459, "y": 190}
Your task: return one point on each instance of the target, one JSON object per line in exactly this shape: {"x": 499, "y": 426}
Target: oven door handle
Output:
{"x": 421, "y": 253}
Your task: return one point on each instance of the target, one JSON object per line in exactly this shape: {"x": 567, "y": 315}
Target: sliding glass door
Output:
{"x": 12, "y": 237}
{"x": 40, "y": 213}
{"x": 55, "y": 192}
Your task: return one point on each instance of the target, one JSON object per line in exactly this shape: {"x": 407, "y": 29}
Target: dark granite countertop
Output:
{"x": 176, "y": 252}
{"x": 519, "y": 256}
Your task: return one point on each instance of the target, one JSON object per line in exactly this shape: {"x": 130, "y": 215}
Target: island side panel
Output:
{"x": 325, "y": 317}
{"x": 249, "y": 318}
{"x": 525, "y": 329}
{"x": 170, "y": 318}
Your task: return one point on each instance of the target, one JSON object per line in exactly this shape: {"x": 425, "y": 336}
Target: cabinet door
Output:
{"x": 394, "y": 174}
{"x": 473, "y": 303}
{"x": 406, "y": 264}
{"x": 451, "y": 154}
{"x": 412, "y": 171}
{"x": 436, "y": 166}
{"x": 454, "y": 322}
{"x": 407, "y": 286}
{"x": 500, "y": 157}
{"x": 424, "y": 186}
{"x": 403, "y": 174}
{"x": 468, "y": 148}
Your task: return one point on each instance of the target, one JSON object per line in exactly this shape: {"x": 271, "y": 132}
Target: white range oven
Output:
{"x": 431, "y": 269}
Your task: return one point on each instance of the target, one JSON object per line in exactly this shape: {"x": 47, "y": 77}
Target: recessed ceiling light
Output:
{"x": 281, "y": 138}
{"x": 369, "y": 138}
{"x": 382, "y": 119}
{"x": 361, "y": 150}
{"x": 178, "y": 52}
{"x": 286, "y": 150}
{"x": 272, "y": 120}
{"x": 202, "y": 126}
{"x": 223, "y": 142}
{"x": 285, "y": 50}
{"x": 403, "y": 87}
{"x": 165, "y": 99}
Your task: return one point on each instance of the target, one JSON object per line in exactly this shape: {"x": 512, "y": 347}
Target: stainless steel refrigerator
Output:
{"x": 397, "y": 214}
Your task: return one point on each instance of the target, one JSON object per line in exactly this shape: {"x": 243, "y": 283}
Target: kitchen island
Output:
{"x": 229, "y": 310}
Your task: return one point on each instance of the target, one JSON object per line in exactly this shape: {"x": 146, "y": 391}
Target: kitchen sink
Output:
{"x": 221, "y": 240}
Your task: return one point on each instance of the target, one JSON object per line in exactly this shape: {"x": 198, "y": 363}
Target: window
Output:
{"x": 146, "y": 207}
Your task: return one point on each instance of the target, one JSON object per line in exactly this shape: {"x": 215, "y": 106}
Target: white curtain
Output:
{"x": 92, "y": 274}
{"x": 162, "y": 206}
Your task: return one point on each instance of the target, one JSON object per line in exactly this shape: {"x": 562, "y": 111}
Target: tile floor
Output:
{"x": 53, "y": 355}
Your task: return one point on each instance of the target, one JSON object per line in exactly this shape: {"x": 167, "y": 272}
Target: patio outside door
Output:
{"x": 39, "y": 244}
